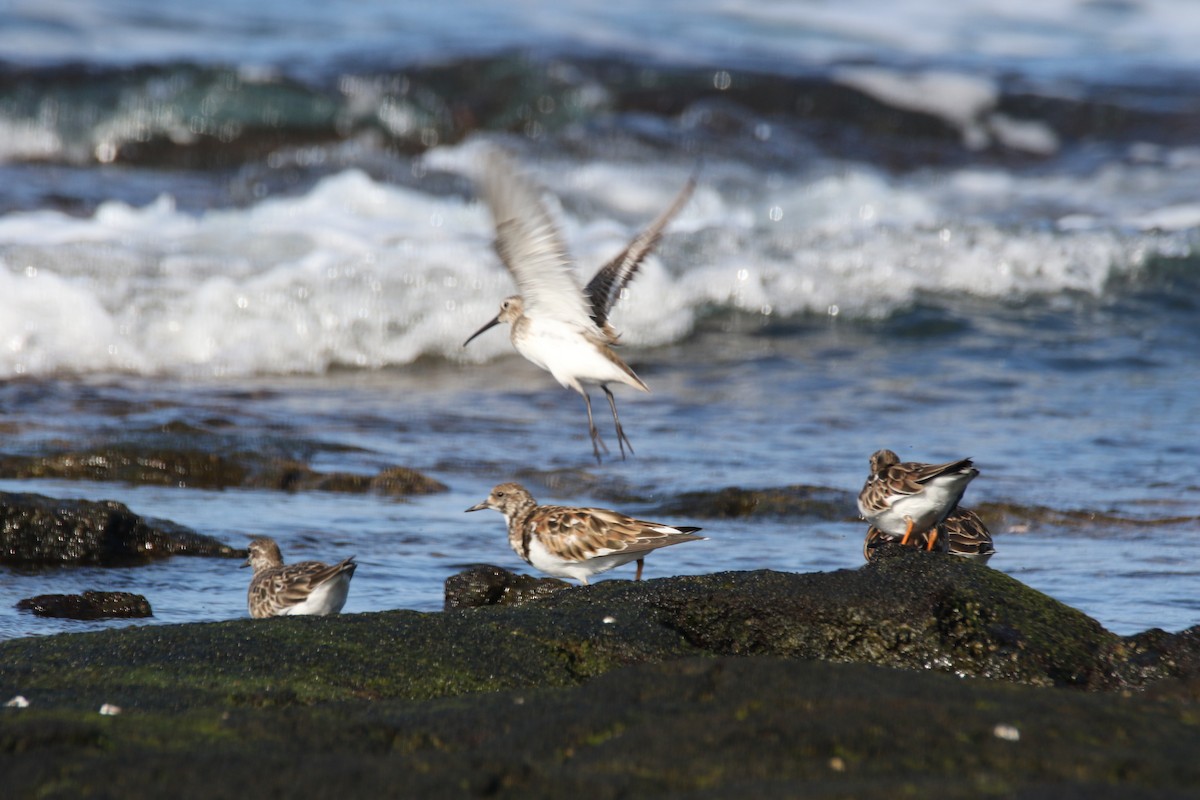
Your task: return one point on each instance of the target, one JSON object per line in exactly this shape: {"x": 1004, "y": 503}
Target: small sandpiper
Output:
{"x": 912, "y": 498}
{"x": 307, "y": 587}
{"x": 578, "y": 542}
{"x": 961, "y": 534}
{"x": 557, "y": 325}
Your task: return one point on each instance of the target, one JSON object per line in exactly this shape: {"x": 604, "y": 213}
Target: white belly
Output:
{"x": 926, "y": 509}
{"x": 562, "y": 350}
{"x": 547, "y": 562}
{"x": 328, "y": 598}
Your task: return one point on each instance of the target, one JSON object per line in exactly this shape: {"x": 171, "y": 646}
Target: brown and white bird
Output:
{"x": 961, "y": 534}
{"x": 902, "y": 499}
{"x": 307, "y": 587}
{"x": 557, "y": 324}
{"x": 578, "y": 542}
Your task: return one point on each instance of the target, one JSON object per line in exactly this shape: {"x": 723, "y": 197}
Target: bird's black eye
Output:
{"x": 499, "y": 494}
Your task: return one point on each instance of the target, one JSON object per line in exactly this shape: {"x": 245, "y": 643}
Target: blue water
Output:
{"x": 260, "y": 224}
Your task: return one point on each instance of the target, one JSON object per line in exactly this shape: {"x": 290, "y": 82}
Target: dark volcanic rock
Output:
{"x": 792, "y": 501}
{"x": 613, "y": 690}
{"x": 39, "y": 529}
{"x": 89, "y": 605}
{"x": 906, "y": 609}
{"x": 154, "y": 465}
{"x": 394, "y": 481}
{"x": 166, "y": 465}
{"x": 1169, "y": 661}
{"x": 493, "y": 586}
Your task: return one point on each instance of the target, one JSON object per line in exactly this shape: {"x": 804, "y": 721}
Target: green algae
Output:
{"x": 711, "y": 685}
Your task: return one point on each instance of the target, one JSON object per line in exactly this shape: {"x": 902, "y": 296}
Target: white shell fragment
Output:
{"x": 1008, "y": 733}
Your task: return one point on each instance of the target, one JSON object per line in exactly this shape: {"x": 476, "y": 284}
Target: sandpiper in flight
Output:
{"x": 577, "y": 542}
{"x": 307, "y": 587}
{"x": 557, "y": 325}
{"x": 912, "y": 498}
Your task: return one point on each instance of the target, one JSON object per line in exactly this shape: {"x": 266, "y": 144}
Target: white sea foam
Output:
{"x": 360, "y": 273}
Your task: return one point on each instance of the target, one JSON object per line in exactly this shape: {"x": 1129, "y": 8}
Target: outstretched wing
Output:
{"x": 605, "y": 287}
{"x": 530, "y": 246}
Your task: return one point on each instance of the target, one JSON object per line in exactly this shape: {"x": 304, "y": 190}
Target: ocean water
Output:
{"x": 951, "y": 232}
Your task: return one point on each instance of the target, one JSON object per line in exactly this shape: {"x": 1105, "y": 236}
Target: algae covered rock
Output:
{"x": 89, "y": 605}
{"x": 907, "y": 609}
{"x": 39, "y": 529}
{"x": 611, "y": 690}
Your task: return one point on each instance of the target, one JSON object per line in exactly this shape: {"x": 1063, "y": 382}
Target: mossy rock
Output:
{"x": 717, "y": 685}
{"x": 907, "y": 609}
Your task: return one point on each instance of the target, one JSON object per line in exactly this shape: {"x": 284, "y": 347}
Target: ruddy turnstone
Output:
{"x": 555, "y": 323}
{"x": 962, "y": 534}
{"x": 577, "y": 542}
{"x": 903, "y": 499}
{"x": 308, "y": 587}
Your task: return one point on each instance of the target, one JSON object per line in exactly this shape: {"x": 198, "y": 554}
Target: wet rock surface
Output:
{"x": 736, "y": 684}
{"x": 486, "y": 585}
{"x": 39, "y": 529}
{"x": 89, "y": 605}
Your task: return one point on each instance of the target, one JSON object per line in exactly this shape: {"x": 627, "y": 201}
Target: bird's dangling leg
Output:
{"x": 622, "y": 439}
{"x": 597, "y": 442}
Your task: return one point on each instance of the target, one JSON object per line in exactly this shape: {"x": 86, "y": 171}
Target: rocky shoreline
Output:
{"x": 918, "y": 674}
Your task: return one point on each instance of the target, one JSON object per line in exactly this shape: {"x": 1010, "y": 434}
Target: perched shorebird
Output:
{"x": 555, "y": 323}
{"x": 961, "y": 534}
{"x": 577, "y": 542}
{"x": 911, "y": 498}
{"x": 308, "y": 587}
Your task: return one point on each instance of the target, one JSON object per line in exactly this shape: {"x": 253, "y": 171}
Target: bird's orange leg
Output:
{"x": 933, "y": 534}
{"x": 907, "y": 531}
{"x": 641, "y": 562}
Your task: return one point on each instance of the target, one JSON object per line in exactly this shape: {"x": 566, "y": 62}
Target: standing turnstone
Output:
{"x": 308, "y": 587}
{"x": 903, "y": 499}
{"x": 577, "y": 542}
{"x": 555, "y": 323}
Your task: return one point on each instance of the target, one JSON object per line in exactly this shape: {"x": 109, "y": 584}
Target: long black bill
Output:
{"x": 478, "y": 506}
{"x": 490, "y": 325}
